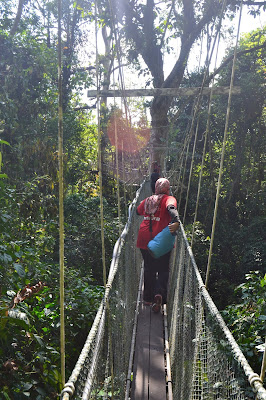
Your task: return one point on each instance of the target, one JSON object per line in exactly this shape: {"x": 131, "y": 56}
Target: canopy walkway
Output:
{"x": 198, "y": 358}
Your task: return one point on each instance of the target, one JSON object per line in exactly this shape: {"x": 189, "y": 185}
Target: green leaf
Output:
{"x": 263, "y": 282}
{"x": 20, "y": 270}
{"x": 40, "y": 391}
{"x": 6, "y": 395}
{"x": 27, "y": 386}
{"x": 4, "y": 142}
{"x": 6, "y": 258}
{"x": 39, "y": 340}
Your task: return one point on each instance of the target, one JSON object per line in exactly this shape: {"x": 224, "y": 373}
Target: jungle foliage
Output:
{"x": 29, "y": 329}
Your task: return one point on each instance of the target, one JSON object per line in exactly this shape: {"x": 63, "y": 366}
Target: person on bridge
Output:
{"x": 159, "y": 211}
{"x": 155, "y": 175}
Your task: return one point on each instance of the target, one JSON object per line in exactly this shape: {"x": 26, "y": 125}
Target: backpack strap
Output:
{"x": 150, "y": 225}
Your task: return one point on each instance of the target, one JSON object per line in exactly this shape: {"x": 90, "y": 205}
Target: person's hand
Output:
{"x": 173, "y": 227}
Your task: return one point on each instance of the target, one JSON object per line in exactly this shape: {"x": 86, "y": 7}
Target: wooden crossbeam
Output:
{"x": 175, "y": 92}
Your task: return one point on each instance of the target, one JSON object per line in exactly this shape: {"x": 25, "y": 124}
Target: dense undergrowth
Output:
{"x": 30, "y": 326}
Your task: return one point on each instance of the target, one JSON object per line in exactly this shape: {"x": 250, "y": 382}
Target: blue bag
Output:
{"x": 162, "y": 243}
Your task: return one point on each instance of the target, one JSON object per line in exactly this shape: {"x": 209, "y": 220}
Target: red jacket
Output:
{"x": 159, "y": 221}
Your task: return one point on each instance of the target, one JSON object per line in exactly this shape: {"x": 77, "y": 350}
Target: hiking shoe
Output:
{"x": 156, "y": 307}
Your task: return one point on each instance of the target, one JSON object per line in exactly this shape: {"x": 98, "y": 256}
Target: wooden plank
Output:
{"x": 157, "y": 382}
{"x": 140, "y": 386}
{"x": 175, "y": 92}
{"x": 149, "y": 365}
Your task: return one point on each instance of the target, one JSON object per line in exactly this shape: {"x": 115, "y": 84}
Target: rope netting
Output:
{"x": 103, "y": 363}
{"x": 206, "y": 362}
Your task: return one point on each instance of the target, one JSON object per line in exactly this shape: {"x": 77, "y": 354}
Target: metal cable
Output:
{"x": 61, "y": 196}
{"x": 223, "y": 152}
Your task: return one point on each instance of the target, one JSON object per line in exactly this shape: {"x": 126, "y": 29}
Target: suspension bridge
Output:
{"x": 184, "y": 353}
{"x": 199, "y": 357}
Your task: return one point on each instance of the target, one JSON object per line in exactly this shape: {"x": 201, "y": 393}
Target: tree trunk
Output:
{"x": 159, "y": 136}
{"x": 14, "y": 28}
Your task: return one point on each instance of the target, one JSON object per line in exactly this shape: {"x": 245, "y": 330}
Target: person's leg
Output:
{"x": 149, "y": 276}
{"x": 163, "y": 276}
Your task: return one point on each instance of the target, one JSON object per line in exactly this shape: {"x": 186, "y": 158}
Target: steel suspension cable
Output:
{"x": 191, "y": 168}
{"x": 99, "y": 132}
{"x": 187, "y": 139}
{"x": 196, "y": 110}
{"x": 117, "y": 177}
{"x": 179, "y": 171}
{"x": 187, "y": 128}
{"x": 110, "y": 351}
{"x": 204, "y": 148}
{"x": 61, "y": 196}
{"x": 223, "y": 151}
{"x": 124, "y": 99}
{"x": 120, "y": 68}
{"x": 124, "y": 178}
{"x": 117, "y": 42}
{"x": 183, "y": 177}
{"x": 201, "y": 311}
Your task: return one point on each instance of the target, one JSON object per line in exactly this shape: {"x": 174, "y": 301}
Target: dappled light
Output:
{"x": 125, "y": 136}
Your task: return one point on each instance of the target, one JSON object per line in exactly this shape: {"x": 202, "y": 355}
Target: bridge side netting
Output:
{"x": 103, "y": 364}
{"x": 206, "y": 362}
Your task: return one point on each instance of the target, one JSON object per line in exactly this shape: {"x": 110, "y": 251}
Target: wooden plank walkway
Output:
{"x": 149, "y": 377}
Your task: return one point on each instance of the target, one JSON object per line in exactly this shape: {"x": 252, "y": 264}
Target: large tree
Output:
{"x": 149, "y": 25}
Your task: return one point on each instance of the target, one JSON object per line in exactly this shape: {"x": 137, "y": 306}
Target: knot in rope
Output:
{"x": 68, "y": 389}
{"x": 254, "y": 378}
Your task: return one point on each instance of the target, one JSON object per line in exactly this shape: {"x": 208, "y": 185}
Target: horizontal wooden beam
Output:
{"x": 175, "y": 92}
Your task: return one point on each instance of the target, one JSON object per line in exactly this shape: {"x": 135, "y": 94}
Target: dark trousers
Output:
{"x": 156, "y": 274}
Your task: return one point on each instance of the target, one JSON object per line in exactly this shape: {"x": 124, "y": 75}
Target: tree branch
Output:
{"x": 85, "y": 107}
{"x": 14, "y": 28}
{"x": 83, "y": 69}
{"x": 167, "y": 22}
{"x": 239, "y": 53}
